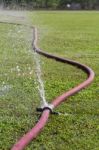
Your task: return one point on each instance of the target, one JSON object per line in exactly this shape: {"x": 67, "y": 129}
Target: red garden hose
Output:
{"x": 32, "y": 134}
{"x": 26, "y": 139}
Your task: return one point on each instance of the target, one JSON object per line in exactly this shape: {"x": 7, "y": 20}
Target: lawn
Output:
{"x": 73, "y": 35}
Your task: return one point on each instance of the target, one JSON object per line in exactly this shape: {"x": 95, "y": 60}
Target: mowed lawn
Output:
{"x": 73, "y": 35}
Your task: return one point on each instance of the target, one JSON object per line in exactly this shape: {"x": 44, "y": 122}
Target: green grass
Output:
{"x": 72, "y": 35}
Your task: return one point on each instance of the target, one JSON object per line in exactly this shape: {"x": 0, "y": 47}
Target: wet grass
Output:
{"x": 68, "y": 34}
{"x": 18, "y": 96}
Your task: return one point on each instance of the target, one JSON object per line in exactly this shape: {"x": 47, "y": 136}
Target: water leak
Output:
{"x": 39, "y": 80}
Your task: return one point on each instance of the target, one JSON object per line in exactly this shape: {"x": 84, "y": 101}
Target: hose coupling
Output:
{"x": 48, "y": 106}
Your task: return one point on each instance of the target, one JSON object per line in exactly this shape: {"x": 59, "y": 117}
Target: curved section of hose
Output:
{"x": 76, "y": 89}
{"x": 32, "y": 134}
